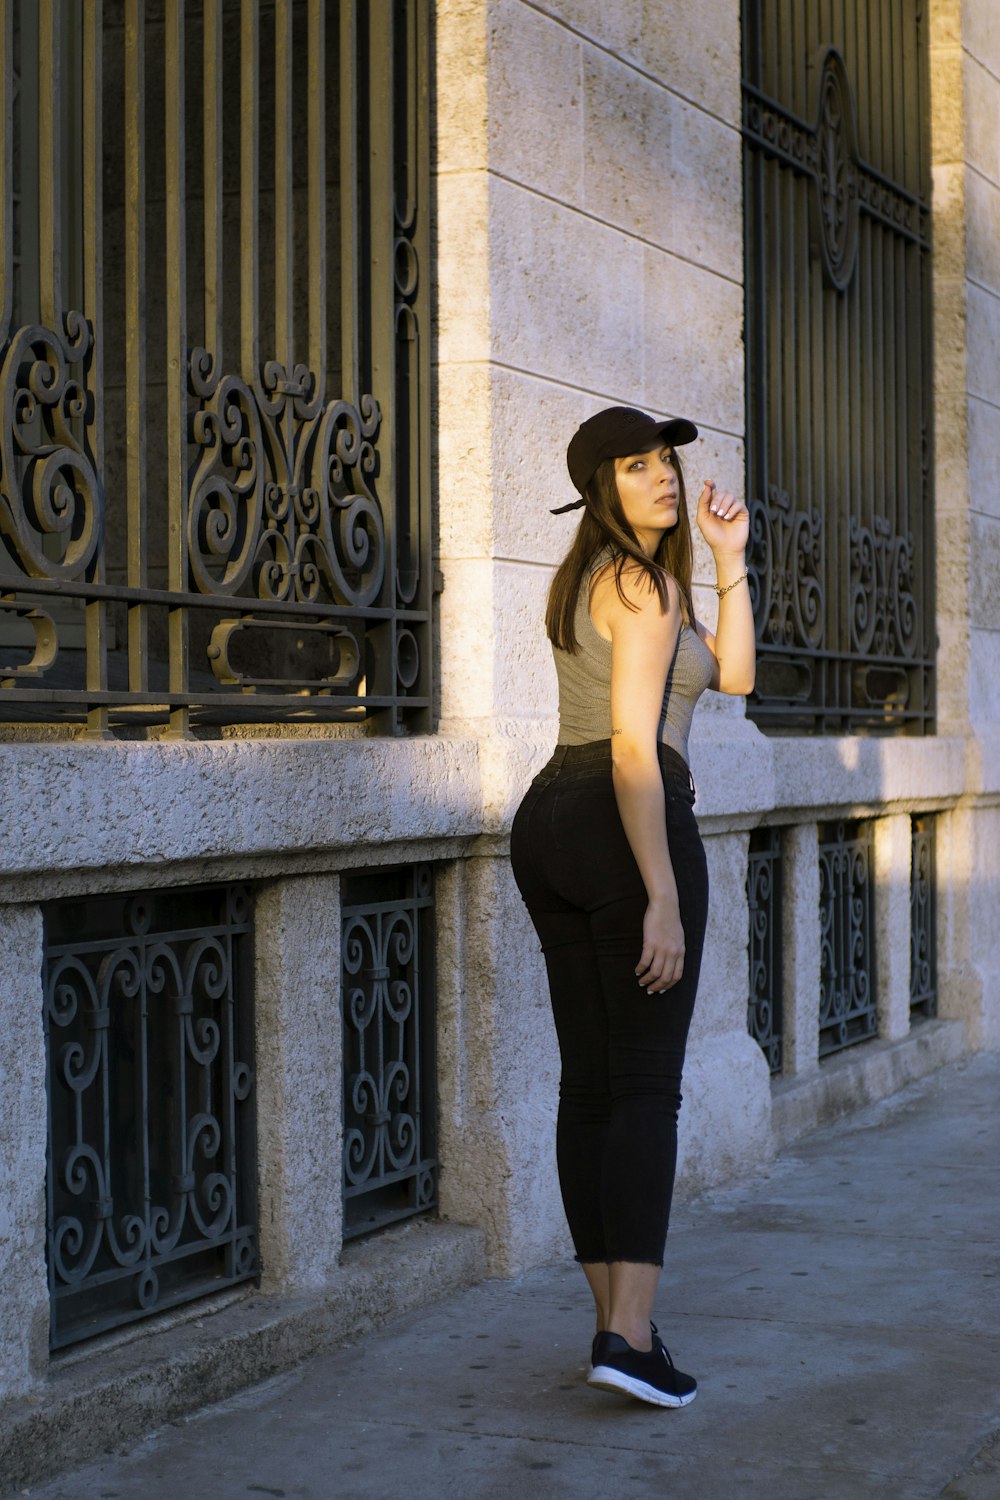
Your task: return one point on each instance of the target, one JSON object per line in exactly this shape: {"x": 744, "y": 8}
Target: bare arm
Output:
{"x": 642, "y": 647}
{"x": 725, "y": 524}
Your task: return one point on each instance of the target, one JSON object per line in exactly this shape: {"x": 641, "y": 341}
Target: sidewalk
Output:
{"x": 842, "y": 1315}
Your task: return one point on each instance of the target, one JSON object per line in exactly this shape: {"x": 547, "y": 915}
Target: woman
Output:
{"x": 609, "y": 861}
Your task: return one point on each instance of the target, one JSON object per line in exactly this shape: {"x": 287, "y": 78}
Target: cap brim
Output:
{"x": 678, "y": 431}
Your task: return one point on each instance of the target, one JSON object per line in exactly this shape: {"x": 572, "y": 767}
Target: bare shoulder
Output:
{"x": 632, "y": 602}
{"x": 635, "y": 584}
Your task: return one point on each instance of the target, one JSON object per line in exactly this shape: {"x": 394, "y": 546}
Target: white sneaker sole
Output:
{"x": 604, "y": 1378}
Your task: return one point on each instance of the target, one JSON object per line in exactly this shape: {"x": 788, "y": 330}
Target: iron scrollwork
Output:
{"x": 51, "y": 502}
{"x": 389, "y": 1168}
{"x": 884, "y": 615}
{"x": 764, "y": 1005}
{"x": 281, "y": 504}
{"x": 786, "y": 569}
{"x": 837, "y": 171}
{"x": 282, "y": 508}
{"x": 150, "y": 1172}
{"x": 847, "y": 937}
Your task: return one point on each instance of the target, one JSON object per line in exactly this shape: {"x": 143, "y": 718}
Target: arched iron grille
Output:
{"x": 836, "y": 182}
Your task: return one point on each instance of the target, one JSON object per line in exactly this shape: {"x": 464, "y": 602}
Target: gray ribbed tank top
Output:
{"x": 585, "y": 681}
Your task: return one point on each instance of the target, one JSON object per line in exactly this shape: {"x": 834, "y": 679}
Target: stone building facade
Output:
{"x": 587, "y": 246}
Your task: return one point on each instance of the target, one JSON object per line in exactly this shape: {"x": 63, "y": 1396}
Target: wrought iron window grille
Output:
{"x": 390, "y": 1094}
{"x": 764, "y": 890}
{"x": 923, "y": 918}
{"x": 151, "y": 1169}
{"x": 839, "y": 374}
{"x": 848, "y": 998}
{"x": 214, "y": 470}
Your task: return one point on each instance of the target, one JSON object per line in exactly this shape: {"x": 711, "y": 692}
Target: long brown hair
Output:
{"x": 602, "y": 525}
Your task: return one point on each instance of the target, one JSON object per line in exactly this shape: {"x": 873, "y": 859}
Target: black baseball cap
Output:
{"x": 613, "y": 433}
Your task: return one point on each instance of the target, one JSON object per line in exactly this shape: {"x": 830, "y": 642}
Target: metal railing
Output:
{"x": 390, "y": 1098}
{"x": 764, "y": 1005}
{"x": 839, "y": 368}
{"x": 214, "y": 473}
{"x": 848, "y": 998}
{"x": 151, "y": 1170}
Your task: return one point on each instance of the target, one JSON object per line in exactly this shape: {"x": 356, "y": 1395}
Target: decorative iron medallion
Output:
{"x": 837, "y": 171}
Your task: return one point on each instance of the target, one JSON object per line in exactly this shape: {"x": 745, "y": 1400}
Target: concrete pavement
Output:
{"x": 842, "y": 1314}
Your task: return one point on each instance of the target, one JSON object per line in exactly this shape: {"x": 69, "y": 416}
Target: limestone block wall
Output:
{"x": 590, "y": 235}
{"x": 25, "y": 1327}
{"x": 981, "y": 163}
{"x": 593, "y": 200}
{"x": 965, "y": 140}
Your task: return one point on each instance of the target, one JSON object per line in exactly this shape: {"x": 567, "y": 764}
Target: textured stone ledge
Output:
{"x": 860, "y": 1076}
{"x": 82, "y": 806}
{"x": 110, "y": 1394}
{"x": 160, "y": 812}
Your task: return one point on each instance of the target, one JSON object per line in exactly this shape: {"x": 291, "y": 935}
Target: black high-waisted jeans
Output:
{"x": 622, "y": 1050}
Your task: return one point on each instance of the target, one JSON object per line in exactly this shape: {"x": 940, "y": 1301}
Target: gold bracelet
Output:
{"x": 729, "y": 586}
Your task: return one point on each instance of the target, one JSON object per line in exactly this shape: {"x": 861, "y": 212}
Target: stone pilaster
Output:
{"x": 299, "y": 1081}
{"x": 24, "y": 1307}
{"x": 801, "y": 949}
{"x": 891, "y": 875}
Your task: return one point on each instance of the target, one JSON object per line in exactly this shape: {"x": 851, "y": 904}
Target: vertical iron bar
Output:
{"x": 6, "y": 167}
{"x": 844, "y": 501}
{"x": 759, "y": 423}
{"x": 349, "y": 257}
{"x": 176, "y": 283}
{"x": 863, "y": 84}
{"x": 227, "y": 1103}
{"x": 867, "y": 230}
{"x": 381, "y": 302}
{"x": 93, "y": 275}
{"x": 284, "y": 214}
{"x": 222, "y": 1110}
{"x": 212, "y": 173}
{"x": 49, "y": 164}
{"x": 249, "y": 178}
{"x": 142, "y": 1085}
{"x": 135, "y": 337}
{"x": 420, "y": 466}
{"x": 316, "y": 193}
{"x": 284, "y": 310}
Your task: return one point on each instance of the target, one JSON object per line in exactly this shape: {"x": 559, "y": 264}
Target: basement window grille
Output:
{"x": 390, "y": 1097}
{"x": 151, "y": 1170}
{"x": 764, "y": 1006}
{"x": 848, "y": 1012}
{"x": 923, "y": 919}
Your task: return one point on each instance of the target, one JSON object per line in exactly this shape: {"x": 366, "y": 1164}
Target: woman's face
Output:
{"x": 649, "y": 490}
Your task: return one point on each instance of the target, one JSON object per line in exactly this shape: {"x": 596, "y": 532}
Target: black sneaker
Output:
{"x": 593, "y": 1348}
{"x": 648, "y": 1376}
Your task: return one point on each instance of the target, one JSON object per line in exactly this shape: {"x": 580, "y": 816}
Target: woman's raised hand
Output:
{"x": 723, "y": 520}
